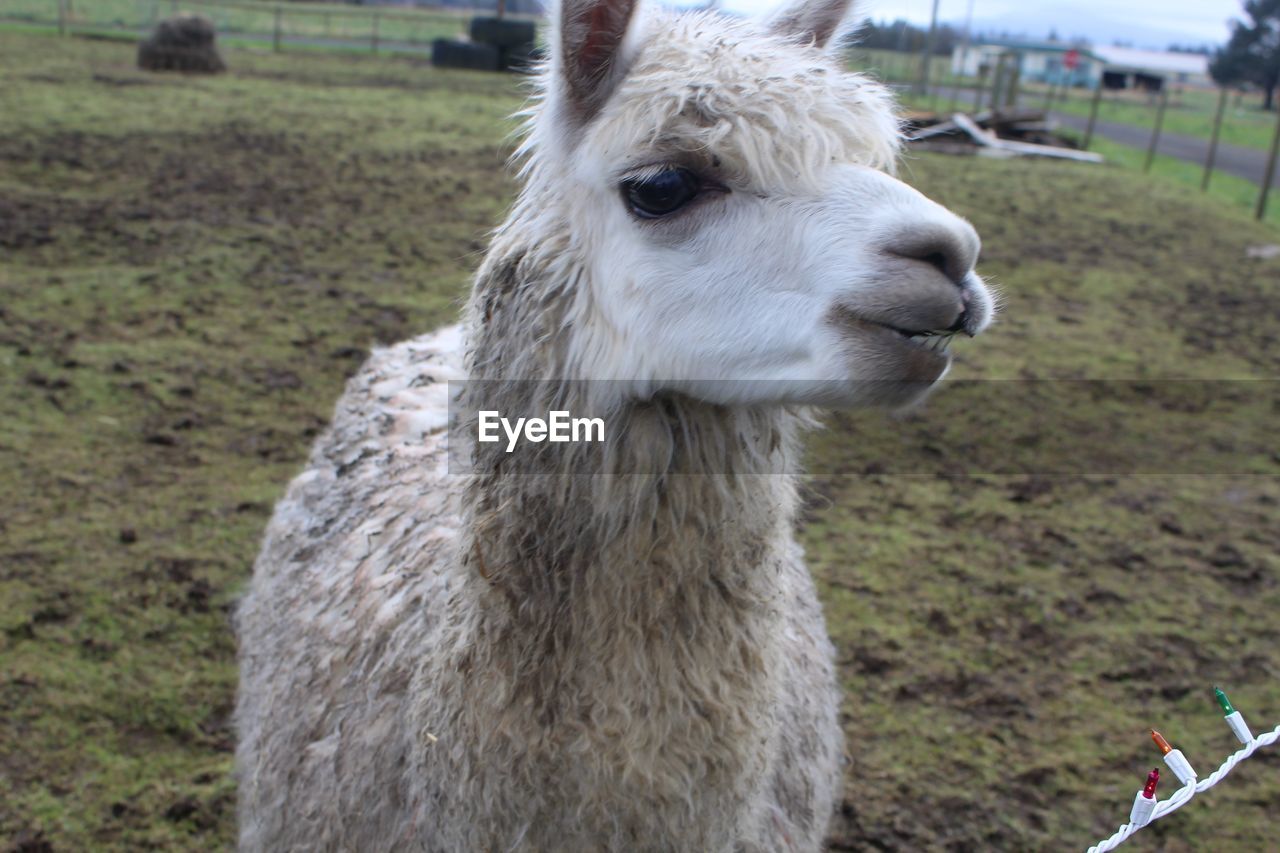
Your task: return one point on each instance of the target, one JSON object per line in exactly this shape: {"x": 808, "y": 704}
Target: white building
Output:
{"x": 1080, "y": 65}
{"x": 1043, "y": 62}
{"x": 1134, "y": 65}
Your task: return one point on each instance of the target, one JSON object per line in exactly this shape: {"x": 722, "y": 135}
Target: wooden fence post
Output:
{"x": 1013, "y": 84}
{"x": 997, "y": 84}
{"x": 1093, "y": 115}
{"x": 62, "y": 17}
{"x": 1155, "y": 132}
{"x": 1261, "y": 211}
{"x": 926, "y": 58}
{"x": 275, "y": 31}
{"x": 1213, "y": 140}
{"x": 377, "y": 18}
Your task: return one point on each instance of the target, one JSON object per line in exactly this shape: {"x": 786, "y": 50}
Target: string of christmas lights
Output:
{"x": 1146, "y": 809}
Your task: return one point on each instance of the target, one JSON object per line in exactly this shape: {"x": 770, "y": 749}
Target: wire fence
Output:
{"x": 1217, "y": 131}
{"x": 1178, "y": 129}
{"x": 373, "y": 29}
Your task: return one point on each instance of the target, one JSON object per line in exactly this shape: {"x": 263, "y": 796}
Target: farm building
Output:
{"x": 1039, "y": 61}
{"x": 1130, "y": 68}
{"x": 1084, "y": 66}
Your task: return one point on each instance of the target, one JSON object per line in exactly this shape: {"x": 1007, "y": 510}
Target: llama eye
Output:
{"x": 661, "y": 194}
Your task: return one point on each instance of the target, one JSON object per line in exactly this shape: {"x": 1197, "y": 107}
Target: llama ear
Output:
{"x": 813, "y": 21}
{"x": 591, "y": 52}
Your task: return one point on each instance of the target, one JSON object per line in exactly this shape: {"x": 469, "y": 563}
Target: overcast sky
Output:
{"x": 1145, "y": 23}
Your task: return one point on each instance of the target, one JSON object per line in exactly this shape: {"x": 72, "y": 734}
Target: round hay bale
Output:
{"x": 182, "y": 43}
{"x": 502, "y": 32}
{"x": 446, "y": 53}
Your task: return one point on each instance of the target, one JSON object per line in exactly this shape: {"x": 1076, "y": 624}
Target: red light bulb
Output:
{"x": 1153, "y": 779}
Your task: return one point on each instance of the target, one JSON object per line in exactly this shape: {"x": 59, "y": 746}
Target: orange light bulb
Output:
{"x": 1163, "y": 744}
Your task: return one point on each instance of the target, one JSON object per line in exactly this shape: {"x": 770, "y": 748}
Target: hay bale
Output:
{"x": 447, "y": 53}
{"x": 503, "y": 32}
{"x": 182, "y": 43}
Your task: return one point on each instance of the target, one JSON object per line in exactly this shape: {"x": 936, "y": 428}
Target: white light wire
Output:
{"x": 1183, "y": 795}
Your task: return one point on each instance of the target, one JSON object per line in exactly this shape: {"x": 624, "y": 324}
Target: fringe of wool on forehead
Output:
{"x": 774, "y": 113}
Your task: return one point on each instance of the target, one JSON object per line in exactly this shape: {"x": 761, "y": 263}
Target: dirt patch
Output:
{"x": 229, "y": 177}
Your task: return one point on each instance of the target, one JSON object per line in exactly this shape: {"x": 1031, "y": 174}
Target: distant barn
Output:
{"x": 1130, "y": 68}
{"x": 1081, "y": 65}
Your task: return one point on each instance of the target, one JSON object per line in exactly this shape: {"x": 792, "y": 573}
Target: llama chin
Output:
{"x": 632, "y": 657}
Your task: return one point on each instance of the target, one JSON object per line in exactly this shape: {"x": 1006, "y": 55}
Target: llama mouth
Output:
{"x": 933, "y": 340}
{"x": 918, "y": 355}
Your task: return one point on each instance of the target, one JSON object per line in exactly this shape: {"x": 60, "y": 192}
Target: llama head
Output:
{"x": 736, "y": 231}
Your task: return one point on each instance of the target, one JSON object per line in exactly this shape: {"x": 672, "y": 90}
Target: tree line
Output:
{"x": 1252, "y": 54}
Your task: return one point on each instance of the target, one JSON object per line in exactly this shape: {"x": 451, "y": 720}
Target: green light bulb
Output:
{"x": 1227, "y": 710}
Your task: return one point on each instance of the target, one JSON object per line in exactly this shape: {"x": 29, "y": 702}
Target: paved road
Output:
{"x": 1247, "y": 163}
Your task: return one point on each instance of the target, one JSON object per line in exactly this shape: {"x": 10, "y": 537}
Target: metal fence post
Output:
{"x": 1155, "y": 132}
{"x": 275, "y": 31}
{"x": 1271, "y": 170}
{"x": 62, "y": 17}
{"x": 1213, "y": 140}
{"x": 377, "y": 17}
{"x": 1093, "y": 115}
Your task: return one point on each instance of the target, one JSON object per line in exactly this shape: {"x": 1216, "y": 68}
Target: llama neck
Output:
{"x": 572, "y": 562}
{"x": 561, "y": 530}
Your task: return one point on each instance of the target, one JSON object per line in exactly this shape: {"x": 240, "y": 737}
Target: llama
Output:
{"x": 617, "y": 645}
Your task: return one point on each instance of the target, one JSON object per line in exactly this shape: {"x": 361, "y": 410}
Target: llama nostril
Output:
{"x": 946, "y": 249}
{"x": 938, "y": 261}
{"x": 946, "y": 258}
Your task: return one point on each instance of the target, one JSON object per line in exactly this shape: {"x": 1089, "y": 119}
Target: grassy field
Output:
{"x": 189, "y": 268}
{"x": 1229, "y": 188}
